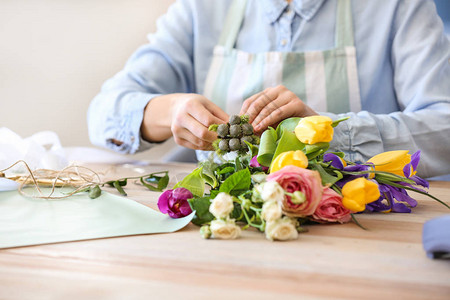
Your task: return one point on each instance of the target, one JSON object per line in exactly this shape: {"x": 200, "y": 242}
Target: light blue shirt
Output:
{"x": 403, "y": 61}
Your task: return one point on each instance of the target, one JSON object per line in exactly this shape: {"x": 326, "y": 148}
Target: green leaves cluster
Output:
{"x": 155, "y": 182}
{"x": 233, "y": 178}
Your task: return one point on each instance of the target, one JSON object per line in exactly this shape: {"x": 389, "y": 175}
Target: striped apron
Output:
{"x": 327, "y": 81}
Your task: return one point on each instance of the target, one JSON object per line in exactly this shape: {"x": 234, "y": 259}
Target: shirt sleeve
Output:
{"x": 420, "y": 58}
{"x": 162, "y": 66}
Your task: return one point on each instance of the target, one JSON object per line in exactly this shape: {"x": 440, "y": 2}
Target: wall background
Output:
{"x": 55, "y": 55}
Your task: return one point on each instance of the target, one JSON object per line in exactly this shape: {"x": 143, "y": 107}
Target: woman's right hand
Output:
{"x": 186, "y": 117}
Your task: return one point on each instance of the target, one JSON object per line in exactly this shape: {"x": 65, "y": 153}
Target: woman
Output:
{"x": 383, "y": 63}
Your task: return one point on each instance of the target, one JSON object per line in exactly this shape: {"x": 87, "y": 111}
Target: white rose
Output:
{"x": 221, "y": 206}
{"x": 281, "y": 230}
{"x": 271, "y": 211}
{"x": 226, "y": 230}
{"x": 272, "y": 191}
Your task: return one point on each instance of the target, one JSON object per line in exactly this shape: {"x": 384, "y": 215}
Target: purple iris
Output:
{"x": 174, "y": 202}
{"x": 255, "y": 164}
{"x": 396, "y": 199}
{"x": 334, "y": 160}
{"x": 392, "y": 199}
{"x": 354, "y": 169}
{"x": 409, "y": 168}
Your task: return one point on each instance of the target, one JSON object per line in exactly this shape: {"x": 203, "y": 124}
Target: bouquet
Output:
{"x": 278, "y": 182}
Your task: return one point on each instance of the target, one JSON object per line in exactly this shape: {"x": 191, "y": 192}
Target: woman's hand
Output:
{"x": 272, "y": 106}
{"x": 186, "y": 117}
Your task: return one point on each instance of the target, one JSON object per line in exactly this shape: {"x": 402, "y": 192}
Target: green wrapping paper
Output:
{"x": 28, "y": 221}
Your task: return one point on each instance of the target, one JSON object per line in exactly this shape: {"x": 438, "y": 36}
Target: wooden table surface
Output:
{"x": 328, "y": 262}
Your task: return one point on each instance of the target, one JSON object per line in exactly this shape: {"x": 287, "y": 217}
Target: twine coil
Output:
{"x": 78, "y": 177}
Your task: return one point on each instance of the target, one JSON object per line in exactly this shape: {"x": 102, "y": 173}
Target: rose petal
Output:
{"x": 163, "y": 201}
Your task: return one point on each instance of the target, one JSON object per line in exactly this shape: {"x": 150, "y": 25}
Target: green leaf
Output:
{"x": 336, "y": 123}
{"x": 208, "y": 174}
{"x": 201, "y": 207}
{"x": 288, "y": 124}
{"x": 357, "y": 223}
{"x": 267, "y": 146}
{"x": 239, "y": 181}
{"x": 226, "y": 170}
{"x": 237, "y": 212}
{"x": 119, "y": 188}
{"x": 312, "y": 151}
{"x": 194, "y": 182}
{"x": 288, "y": 142}
{"x": 94, "y": 192}
{"x": 213, "y": 127}
{"x": 237, "y": 164}
{"x": 149, "y": 186}
{"x": 327, "y": 179}
{"x": 123, "y": 182}
{"x": 163, "y": 182}
{"x": 253, "y": 148}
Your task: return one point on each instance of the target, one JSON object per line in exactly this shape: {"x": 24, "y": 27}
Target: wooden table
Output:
{"x": 330, "y": 261}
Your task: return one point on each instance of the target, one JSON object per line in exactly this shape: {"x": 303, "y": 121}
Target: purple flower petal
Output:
{"x": 182, "y": 194}
{"x": 409, "y": 168}
{"x": 420, "y": 181}
{"x": 335, "y": 160}
{"x": 185, "y": 209}
{"x": 174, "y": 202}
{"x": 255, "y": 164}
{"x": 400, "y": 208}
{"x": 163, "y": 201}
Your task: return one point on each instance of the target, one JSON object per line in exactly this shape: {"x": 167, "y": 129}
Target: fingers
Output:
{"x": 255, "y": 104}
{"x": 191, "y": 120}
{"x": 207, "y": 113}
{"x": 273, "y": 105}
{"x": 216, "y": 111}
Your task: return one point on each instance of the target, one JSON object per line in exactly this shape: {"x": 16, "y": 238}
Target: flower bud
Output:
{"x": 226, "y": 230}
{"x": 314, "y": 129}
{"x": 222, "y": 130}
{"x": 271, "y": 211}
{"x": 359, "y": 192}
{"x": 281, "y": 230}
{"x": 205, "y": 232}
{"x": 289, "y": 158}
{"x": 221, "y": 206}
{"x": 272, "y": 191}
{"x": 298, "y": 197}
{"x": 235, "y": 119}
{"x": 391, "y": 161}
{"x": 235, "y": 131}
{"x": 235, "y": 144}
{"x": 223, "y": 145}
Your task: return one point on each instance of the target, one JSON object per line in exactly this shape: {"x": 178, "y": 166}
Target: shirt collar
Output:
{"x": 307, "y": 9}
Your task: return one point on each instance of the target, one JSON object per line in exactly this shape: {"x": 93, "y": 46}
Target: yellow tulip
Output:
{"x": 359, "y": 192}
{"x": 314, "y": 129}
{"x": 391, "y": 161}
{"x": 289, "y": 158}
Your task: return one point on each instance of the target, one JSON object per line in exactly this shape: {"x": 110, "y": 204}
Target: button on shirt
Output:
{"x": 403, "y": 65}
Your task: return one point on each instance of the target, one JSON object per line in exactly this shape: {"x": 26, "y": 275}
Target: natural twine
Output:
{"x": 77, "y": 177}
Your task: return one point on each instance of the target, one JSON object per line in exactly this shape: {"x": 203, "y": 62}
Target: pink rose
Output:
{"x": 330, "y": 208}
{"x": 307, "y": 182}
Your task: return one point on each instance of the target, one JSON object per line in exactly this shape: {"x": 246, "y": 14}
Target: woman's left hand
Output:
{"x": 272, "y": 106}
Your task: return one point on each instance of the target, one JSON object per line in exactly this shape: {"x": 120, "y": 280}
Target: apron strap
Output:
{"x": 344, "y": 24}
{"x": 232, "y": 24}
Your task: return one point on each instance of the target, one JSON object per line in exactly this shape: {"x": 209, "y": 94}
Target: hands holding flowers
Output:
{"x": 290, "y": 179}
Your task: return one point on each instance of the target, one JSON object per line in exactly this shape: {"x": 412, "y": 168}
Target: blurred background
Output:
{"x": 55, "y": 55}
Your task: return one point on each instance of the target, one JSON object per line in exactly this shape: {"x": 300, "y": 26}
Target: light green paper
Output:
{"x": 28, "y": 221}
